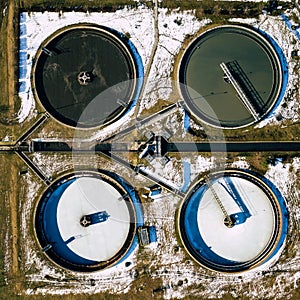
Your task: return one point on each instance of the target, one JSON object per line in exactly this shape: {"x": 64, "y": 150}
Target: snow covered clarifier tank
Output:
{"x": 233, "y": 221}
{"x": 87, "y": 221}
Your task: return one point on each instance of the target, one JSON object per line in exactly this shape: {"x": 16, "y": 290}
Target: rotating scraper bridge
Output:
{"x": 110, "y": 148}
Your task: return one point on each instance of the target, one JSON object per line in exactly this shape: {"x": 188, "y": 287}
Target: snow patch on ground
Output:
{"x": 7, "y": 138}
{"x": 4, "y": 11}
{"x": 240, "y": 163}
{"x": 284, "y": 175}
{"x": 249, "y": 21}
{"x": 170, "y": 173}
{"x": 173, "y": 27}
{"x": 288, "y": 109}
{"x": 202, "y": 164}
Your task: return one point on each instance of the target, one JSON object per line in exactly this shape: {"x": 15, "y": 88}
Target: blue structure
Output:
{"x": 22, "y": 86}
{"x": 199, "y": 247}
{"x": 284, "y": 69}
{"x": 290, "y": 25}
{"x": 186, "y": 121}
{"x": 22, "y": 54}
{"x": 155, "y": 193}
{"x": 22, "y": 17}
{"x": 186, "y": 176}
{"x": 94, "y": 218}
{"x": 139, "y": 70}
{"x": 238, "y": 217}
{"x": 152, "y": 234}
{"x": 23, "y": 30}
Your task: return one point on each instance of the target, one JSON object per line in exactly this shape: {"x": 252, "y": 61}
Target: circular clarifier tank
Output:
{"x": 231, "y": 76}
{"x": 87, "y": 222}
{"x": 233, "y": 221}
{"x": 86, "y": 75}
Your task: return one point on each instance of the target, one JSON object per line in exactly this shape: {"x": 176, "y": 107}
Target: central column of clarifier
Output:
{"x": 84, "y": 78}
{"x": 94, "y": 218}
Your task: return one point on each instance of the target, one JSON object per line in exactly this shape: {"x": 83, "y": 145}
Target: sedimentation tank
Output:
{"x": 231, "y": 76}
{"x": 87, "y": 221}
{"x": 233, "y": 221}
{"x": 87, "y": 75}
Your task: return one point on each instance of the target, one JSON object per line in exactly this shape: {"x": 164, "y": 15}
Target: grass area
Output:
{"x": 4, "y": 190}
{"x": 9, "y": 225}
{"x": 217, "y": 10}
{"x": 159, "y": 105}
{"x": 54, "y": 129}
{"x": 4, "y": 105}
{"x": 7, "y": 106}
{"x": 9, "y": 99}
{"x": 79, "y": 5}
{"x": 289, "y": 132}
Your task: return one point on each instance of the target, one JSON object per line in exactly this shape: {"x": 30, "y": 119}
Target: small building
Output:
{"x": 154, "y": 192}
{"x": 147, "y": 235}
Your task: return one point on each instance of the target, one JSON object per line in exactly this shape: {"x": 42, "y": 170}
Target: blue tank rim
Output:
{"x": 83, "y": 265}
{"x": 283, "y": 208}
{"x": 284, "y": 71}
{"x": 278, "y": 239}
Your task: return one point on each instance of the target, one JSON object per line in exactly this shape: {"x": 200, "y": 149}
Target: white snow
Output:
{"x": 240, "y": 163}
{"x": 173, "y": 27}
{"x": 166, "y": 173}
{"x": 202, "y": 164}
{"x": 7, "y": 138}
{"x": 250, "y": 21}
{"x": 4, "y": 11}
